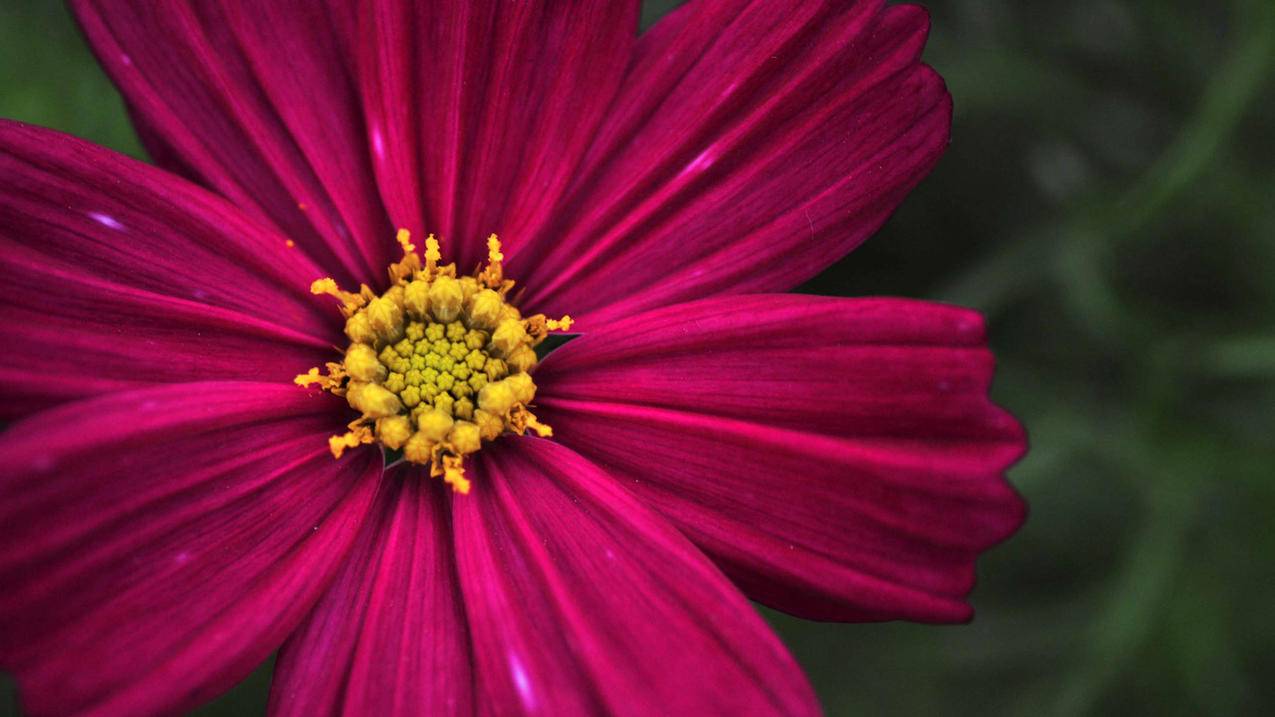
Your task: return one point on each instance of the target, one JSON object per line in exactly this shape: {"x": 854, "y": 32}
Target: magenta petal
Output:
{"x": 750, "y": 148}
{"x": 156, "y": 545}
{"x": 389, "y": 637}
{"x": 118, "y": 275}
{"x": 78, "y": 336}
{"x": 838, "y": 458}
{"x": 582, "y": 601}
{"x": 478, "y": 112}
{"x": 121, "y": 220}
{"x": 257, "y": 101}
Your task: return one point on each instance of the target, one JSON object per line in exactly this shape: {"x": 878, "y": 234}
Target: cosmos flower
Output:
{"x": 503, "y": 531}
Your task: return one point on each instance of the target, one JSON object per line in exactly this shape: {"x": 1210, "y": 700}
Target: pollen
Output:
{"x": 437, "y": 364}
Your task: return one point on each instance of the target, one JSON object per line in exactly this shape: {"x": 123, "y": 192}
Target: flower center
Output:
{"x": 437, "y": 364}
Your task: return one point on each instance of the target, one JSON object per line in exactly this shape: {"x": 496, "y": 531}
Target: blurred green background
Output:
{"x": 1109, "y": 202}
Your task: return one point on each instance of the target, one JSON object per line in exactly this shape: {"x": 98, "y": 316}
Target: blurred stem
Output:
{"x": 1133, "y": 606}
{"x": 1224, "y": 103}
{"x": 1006, "y": 81}
{"x": 1170, "y": 486}
{"x": 1082, "y": 247}
{"x": 1241, "y": 357}
{"x": 1088, "y": 249}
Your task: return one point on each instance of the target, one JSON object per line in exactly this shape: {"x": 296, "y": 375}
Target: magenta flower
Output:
{"x": 171, "y": 511}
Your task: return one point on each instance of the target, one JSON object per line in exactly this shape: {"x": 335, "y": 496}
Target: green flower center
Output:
{"x": 440, "y": 366}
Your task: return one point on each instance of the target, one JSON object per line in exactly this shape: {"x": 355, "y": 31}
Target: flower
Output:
{"x": 170, "y": 508}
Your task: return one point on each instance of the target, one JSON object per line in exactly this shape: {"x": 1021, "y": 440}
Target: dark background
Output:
{"x": 1107, "y": 202}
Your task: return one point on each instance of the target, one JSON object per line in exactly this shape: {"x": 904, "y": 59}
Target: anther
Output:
{"x": 437, "y": 363}
{"x": 445, "y": 298}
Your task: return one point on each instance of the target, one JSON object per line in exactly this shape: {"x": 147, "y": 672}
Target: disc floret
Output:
{"x": 437, "y": 364}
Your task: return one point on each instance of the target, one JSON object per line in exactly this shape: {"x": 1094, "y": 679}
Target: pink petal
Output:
{"x": 156, "y": 545}
{"x": 838, "y": 458}
{"x": 389, "y": 637}
{"x": 124, "y": 221}
{"x": 580, "y": 600}
{"x": 478, "y": 112}
{"x": 72, "y": 336}
{"x": 750, "y": 148}
{"x": 257, "y": 101}
{"x": 119, "y": 275}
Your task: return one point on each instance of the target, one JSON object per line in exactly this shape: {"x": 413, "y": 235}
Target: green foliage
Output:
{"x": 48, "y": 77}
{"x": 1107, "y": 202}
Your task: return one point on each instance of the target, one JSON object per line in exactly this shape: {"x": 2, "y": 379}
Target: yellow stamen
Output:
{"x": 522, "y": 420}
{"x": 349, "y": 302}
{"x": 356, "y": 436}
{"x": 454, "y": 474}
{"x": 432, "y": 256}
{"x": 310, "y": 377}
{"x": 563, "y": 324}
{"x": 410, "y": 261}
{"x": 438, "y": 364}
{"x": 404, "y": 239}
{"x": 493, "y": 276}
{"x": 494, "y": 257}
{"x": 333, "y": 382}
{"x": 539, "y": 326}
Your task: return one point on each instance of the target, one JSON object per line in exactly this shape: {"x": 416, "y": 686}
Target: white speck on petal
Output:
{"x": 522, "y": 682}
{"x": 701, "y": 162}
{"x": 966, "y": 327}
{"x": 378, "y": 143}
{"x": 126, "y": 60}
{"x": 106, "y": 220}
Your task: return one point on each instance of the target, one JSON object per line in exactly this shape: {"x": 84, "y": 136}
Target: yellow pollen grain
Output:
{"x": 438, "y": 364}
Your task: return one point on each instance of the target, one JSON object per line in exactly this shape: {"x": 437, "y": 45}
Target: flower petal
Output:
{"x": 839, "y": 458}
{"x": 156, "y": 545}
{"x": 580, "y": 600}
{"x": 750, "y": 148}
{"x": 389, "y": 637}
{"x": 479, "y": 112}
{"x": 71, "y": 336}
{"x": 118, "y": 274}
{"x": 257, "y": 101}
